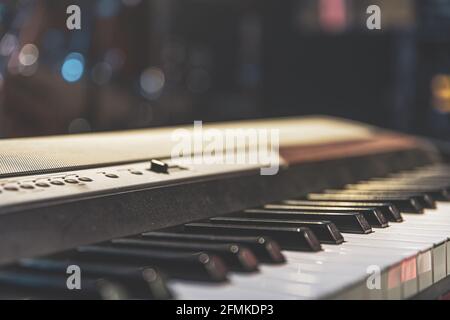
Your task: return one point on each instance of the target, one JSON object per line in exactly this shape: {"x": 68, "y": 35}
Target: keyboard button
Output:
{"x": 159, "y": 166}
{"x": 27, "y": 186}
{"x": 42, "y": 184}
{"x": 11, "y": 188}
{"x": 57, "y": 183}
{"x": 71, "y": 181}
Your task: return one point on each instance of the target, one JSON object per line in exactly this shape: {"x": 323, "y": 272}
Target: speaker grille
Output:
{"x": 52, "y": 154}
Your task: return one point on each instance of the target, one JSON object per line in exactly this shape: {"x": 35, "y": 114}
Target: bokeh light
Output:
{"x": 28, "y": 55}
{"x": 8, "y": 44}
{"x": 73, "y": 67}
{"x": 108, "y": 8}
{"x": 152, "y": 82}
{"x": 440, "y": 88}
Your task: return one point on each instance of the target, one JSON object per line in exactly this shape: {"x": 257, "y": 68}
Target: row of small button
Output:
{"x": 45, "y": 184}
{"x": 156, "y": 166}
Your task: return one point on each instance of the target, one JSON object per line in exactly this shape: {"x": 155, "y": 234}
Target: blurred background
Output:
{"x": 146, "y": 63}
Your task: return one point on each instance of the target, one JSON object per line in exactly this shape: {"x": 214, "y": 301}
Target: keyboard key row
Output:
{"x": 321, "y": 245}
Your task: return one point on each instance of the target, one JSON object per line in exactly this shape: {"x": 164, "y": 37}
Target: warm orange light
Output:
{"x": 440, "y": 88}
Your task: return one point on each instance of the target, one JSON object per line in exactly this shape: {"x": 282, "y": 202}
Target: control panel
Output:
{"x": 104, "y": 180}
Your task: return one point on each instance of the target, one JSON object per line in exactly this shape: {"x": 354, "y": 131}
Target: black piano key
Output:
{"x": 374, "y": 216}
{"x": 141, "y": 283}
{"x": 345, "y": 222}
{"x": 197, "y": 266}
{"x": 438, "y": 194}
{"x": 424, "y": 199}
{"x": 419, "y": 181}
{"x": 325, "y": 231}
{"x": 442, "y": 194}
{"x": 302, "y": 239}
{"x": 404, "y": 204}
{"x": 436, "y": 179}
{"x": 408, "y": 185}
{"x": 389, "y": 210}
{"x": 237, "y": 258}
{"x": 430, "y": 169}
{"x": 418, "y": 184}
{"x": 265, "y": 249}
{"x": 40, "y": 285}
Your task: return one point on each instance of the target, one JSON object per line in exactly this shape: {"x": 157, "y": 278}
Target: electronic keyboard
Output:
{"x": 353, "y": 212}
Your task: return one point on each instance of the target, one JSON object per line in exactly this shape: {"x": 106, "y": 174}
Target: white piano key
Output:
{"x": 424, "y": 274}
{"x": 354, "y": 267}
{"x": 411, "y": 256}
{"x": 393, "y": 282}
{"x": 425, "y": 269}
{"x": 358, "y": 273}
{"x": 323, "y": 286}
{"x": 438, "y": 238}
{"x": 422, "y": 243}
{"x": 227, "y": 291}
{"x": 334, "y": 276}
{"x": 381, "y": 257}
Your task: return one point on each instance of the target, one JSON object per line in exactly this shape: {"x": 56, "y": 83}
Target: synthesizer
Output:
{"x": 353, "y": 212}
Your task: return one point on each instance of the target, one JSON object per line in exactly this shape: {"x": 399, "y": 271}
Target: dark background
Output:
{"x": 145, "y": 63}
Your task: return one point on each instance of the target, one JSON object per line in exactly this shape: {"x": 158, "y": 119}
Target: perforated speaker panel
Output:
{"x": 51, "y": 154}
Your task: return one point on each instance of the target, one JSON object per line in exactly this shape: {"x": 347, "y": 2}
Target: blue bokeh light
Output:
{"x": 73, "y": 67}
{"x": 108, "y": 8}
